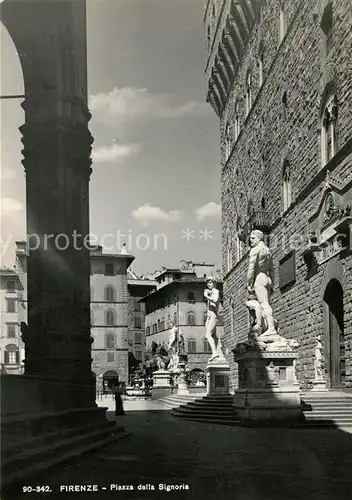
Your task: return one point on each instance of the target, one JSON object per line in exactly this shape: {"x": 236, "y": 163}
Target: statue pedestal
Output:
{"x": 319, "y": 386}
{"x": 218, "y": 377}
{"x": 268, "y": 389}
{"x": 161, "y": 384}
{"x": 182, "y": 386}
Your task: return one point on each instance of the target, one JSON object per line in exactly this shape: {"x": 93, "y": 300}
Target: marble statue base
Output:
{"x": 268, "y": 389}
{"x": 161, "y": 384}
{"x": 218, "y": 377}
{"x": 319, "y": 386}
{"x": 182, "y": 386}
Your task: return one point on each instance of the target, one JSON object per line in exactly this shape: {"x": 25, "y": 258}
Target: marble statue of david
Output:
{"x": 212, "y": 295}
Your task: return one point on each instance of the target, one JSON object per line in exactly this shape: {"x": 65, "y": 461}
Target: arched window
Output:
{"x": 236, "y": 121}
{"x": 239, "y": 250}
{"x": 110, "y": 340}
{"x": 282, "y": 21}
{"x": 168, "y": 320}
{"x": 207, "y": 347}
{"x": 11, "y": 355}
{"x": 137, "y": 338}
{"x": 163, "y": 324}
{"x": 248, "y": 92}
{"x": 110, "y": 318}
{"x": 227, "y": 141}
{"x": 175, "y": 319}
{"x": 109, "y": 294}
{"x": 191, "y": 318}
{"x": 191, "y": 346}
{"x": 147, "y": 331}
{"x": 326, "y": 27}
{"x": 329, "y": 129}
{"x": 286, "y": 186}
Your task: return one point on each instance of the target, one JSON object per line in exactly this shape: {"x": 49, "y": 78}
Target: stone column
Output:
{"x": 50, "y": 37}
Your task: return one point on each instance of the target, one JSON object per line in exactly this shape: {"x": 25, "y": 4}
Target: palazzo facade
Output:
{"x": 279, "y": 79}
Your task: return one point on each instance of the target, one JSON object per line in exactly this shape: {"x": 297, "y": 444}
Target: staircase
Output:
{"x": 216, "y": 409}
{"x": 175, "y": 400}
{"x": 320, "y": 410}
{"x": 330, "y": 409}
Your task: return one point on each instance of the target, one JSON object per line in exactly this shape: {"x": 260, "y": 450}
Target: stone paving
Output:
{"x": 213, "y": 461}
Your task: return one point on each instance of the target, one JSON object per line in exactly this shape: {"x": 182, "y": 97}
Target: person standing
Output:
{"x": 118, "y": 390}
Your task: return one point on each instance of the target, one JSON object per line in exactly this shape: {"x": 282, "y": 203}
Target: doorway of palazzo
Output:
{"x": 334, "y": 338}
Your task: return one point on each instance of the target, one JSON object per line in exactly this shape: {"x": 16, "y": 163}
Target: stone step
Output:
{"x": 48, "y": 438}
{"x": 210, "y": 411}
{"x": 207, "y": 408}
{"x": 205, "y": 415}
{"x": 334, "y": 416}
{"x": 36, "y": 459}
{"x": 330, "y": 411}
{"x": 210, "y": 419}
{"x": 333, "y": 405}
{"x": 317, "y": 401}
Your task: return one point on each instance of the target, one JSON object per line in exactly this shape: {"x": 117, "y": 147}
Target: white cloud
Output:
{"x": 210, "y": 209}
{"x": 130, "y": 103}
{"x": 7, "y": 173}
{"x": 10, "y": 205}
{"x": 115, "y": 152}
{"x": 147, "y": 213}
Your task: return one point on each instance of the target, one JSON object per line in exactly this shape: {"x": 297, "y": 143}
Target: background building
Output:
{"x": 109, "y": 319}
{"x": 137, "y": 287}
{"x": 11, "y": 345}
{"x": 109, "y": 313}
{"x": 179, "y": 298}
{"x": 279, "y": 78}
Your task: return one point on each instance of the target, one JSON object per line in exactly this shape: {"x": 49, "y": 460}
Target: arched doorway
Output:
{"x": 334, "y": 336}
{"x": 110, "y": 380}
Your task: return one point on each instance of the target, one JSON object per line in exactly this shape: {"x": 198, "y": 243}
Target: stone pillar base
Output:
{"x": 218, "y": 377}
{"x": 268, "y": 390}
{"x": 35, "y": 435}
{"x": 161, "y": 384}
{"x": 182, "y": 386}
{"x": 319, "y": 386}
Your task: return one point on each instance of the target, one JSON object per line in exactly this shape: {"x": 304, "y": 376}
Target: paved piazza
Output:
{"x": 214, "y": 461}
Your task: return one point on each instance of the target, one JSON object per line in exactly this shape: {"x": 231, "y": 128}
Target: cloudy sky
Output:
{"x": 156, "y": 167}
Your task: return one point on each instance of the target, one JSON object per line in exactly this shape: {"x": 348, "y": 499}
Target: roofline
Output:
{"x": 177, "y": 282}
{"x": 141, "y": 282}
{"x": 127, "y": 257}
{"x": 8, "y": 272}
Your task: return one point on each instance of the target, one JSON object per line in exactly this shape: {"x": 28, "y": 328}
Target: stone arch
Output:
{"x": 110, "y": 340}
{"x": 333, "y": 270}
{"x": 109, "y": 293}
{"x": 191, "y": 345}
{"x": 334, "y": 331}
{"x": 329, "y": 88}
{"x": 191, "y": 317}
